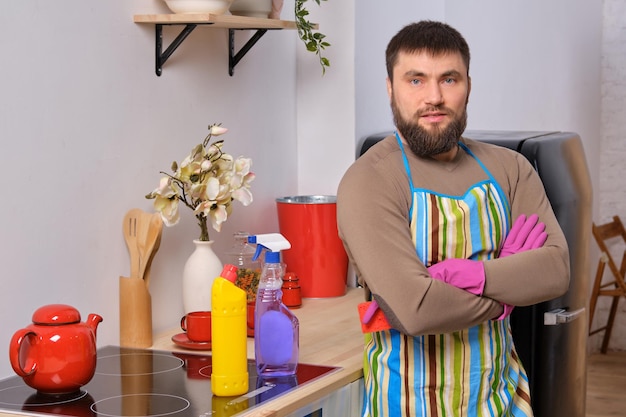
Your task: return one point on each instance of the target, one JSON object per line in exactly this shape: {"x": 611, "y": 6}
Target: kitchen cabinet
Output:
{"x": 191, "y": 21}
{"x": 346, "y": 402}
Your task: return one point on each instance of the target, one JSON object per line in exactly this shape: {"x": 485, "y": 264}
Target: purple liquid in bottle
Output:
{"x": 276, "y": 329}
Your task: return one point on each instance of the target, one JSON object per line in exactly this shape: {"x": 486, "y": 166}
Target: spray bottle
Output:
{"x": 276, "y": 329}
{"x": 229, "y": 374}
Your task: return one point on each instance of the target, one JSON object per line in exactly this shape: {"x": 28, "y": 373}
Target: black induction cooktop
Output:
{"x": 143, "y": 382}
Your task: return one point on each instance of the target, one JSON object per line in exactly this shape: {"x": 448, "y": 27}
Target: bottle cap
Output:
{"x": 229, "y": 272}
{"x": 291, "y": 276}
{"x": 272, "y": 257}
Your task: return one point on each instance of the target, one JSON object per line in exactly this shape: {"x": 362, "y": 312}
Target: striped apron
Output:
{"x": 473, "y": 372}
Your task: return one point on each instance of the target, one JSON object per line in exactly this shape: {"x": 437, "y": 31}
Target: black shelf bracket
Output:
{"x": 162, "y": 56}
{"x": 234, "y": 58}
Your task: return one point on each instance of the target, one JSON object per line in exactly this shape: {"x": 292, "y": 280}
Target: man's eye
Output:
{"x": 415, "y": 81}
{"x": 449, "y": 80}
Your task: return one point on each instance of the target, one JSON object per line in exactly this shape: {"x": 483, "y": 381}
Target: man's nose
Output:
{"x": 433, "y": 94}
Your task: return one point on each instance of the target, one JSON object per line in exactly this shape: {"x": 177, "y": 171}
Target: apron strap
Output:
{"x": 406, "y": 161}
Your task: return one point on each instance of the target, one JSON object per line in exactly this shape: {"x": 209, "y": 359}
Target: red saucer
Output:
{"x": 183, "y": 341}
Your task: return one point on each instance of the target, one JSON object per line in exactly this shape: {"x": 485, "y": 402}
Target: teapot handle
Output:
{"x": 15, "y": 348}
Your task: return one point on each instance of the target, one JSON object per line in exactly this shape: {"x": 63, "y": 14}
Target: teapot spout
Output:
{"x": 92, "y": 321}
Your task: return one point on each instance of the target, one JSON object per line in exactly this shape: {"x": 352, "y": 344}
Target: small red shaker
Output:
{"x": 292, "y": 294}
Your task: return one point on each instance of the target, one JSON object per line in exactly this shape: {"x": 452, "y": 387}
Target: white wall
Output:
{"x": 326, "y": 111}
{"x": 86, "y": 125}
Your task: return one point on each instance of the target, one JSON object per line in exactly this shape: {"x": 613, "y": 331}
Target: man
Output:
{"x": 426, "y": 217}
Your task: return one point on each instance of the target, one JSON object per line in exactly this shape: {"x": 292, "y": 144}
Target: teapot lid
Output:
{"x": 56, "y": 314}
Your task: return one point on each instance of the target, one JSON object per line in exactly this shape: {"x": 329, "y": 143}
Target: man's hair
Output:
{"x": 435, "y": 38}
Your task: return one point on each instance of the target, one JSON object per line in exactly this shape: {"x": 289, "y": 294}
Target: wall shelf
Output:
{"x": 191, "y": 21}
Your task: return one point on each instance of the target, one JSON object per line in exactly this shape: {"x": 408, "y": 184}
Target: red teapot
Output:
{"x": 56, "y": 354}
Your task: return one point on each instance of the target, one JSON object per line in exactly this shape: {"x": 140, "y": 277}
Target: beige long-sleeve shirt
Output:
{"x": 373, "y": 203}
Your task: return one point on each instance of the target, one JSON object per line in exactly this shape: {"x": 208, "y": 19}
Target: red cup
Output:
{"x": 197, "y": 325}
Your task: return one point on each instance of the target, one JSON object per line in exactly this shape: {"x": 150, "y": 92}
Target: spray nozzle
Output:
{"x": 272, "y": 242}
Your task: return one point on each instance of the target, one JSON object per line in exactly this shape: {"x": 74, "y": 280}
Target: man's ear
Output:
{"x": 390, "y": 89}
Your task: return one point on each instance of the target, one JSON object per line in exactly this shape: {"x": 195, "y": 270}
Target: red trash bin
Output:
{"x": 317, "y": 255}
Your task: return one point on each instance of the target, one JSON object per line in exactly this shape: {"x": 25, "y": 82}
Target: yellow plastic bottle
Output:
{"x": 229, "y": 374}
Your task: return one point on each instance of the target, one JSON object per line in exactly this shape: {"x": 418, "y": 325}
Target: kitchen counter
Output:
{"x": 330, "y": 334}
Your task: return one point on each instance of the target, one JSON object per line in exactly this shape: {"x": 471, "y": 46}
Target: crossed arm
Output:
{"x": 526, "y": 234}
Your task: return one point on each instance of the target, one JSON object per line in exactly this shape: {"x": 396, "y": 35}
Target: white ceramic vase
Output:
{"x": 201, "y": 269}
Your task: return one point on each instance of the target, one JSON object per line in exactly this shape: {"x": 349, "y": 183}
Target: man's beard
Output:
{"x": 427, "y": 144}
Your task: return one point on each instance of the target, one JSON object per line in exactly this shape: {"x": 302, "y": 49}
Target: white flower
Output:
{"x": 207, "y": 181}
{"x": 243, "y": 195}
{"x": 166, "y": 202}
{"x": 217, "y": 130}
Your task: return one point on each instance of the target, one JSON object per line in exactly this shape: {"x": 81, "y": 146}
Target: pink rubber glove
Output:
{"x": 526, "y": 234}
{"x": 465, "y": 274}
{"x": 508, "y": 309}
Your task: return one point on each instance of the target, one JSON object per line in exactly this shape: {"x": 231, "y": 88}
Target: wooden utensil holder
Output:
{"x": 135, "y": 313}
{"x": 137, "y": 380}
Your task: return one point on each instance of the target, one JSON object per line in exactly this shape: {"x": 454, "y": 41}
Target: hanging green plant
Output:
{"x": 314, "y": 40}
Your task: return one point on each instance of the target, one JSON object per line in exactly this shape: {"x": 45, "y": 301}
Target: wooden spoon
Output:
{"x": 130, "y": 228}
{"x": 143, "y": 224}
{"x": 149, "y": 243}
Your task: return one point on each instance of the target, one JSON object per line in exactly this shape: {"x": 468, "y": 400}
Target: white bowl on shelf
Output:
{"x": 198, "y": 6}
{"x": 251, "y": 8}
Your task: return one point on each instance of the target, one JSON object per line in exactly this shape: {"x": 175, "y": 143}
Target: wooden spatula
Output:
{"x": 143, "y": 225}
{"x": 130, "y": 227}
{"x": 148, "y": 243}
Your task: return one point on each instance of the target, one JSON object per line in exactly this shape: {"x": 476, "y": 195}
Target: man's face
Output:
{"x": 429, "y": 96}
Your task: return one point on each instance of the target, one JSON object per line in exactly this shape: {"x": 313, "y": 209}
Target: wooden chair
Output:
{"x": 615, "y": 288}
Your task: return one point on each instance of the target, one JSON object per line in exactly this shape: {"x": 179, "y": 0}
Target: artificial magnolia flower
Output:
{"x": 217, "y": 130}
{"x": 206, "y": 181}
{"x": 165, "y": 203}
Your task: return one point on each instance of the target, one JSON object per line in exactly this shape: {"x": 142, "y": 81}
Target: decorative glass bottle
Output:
{"x": 248, "y": 271}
